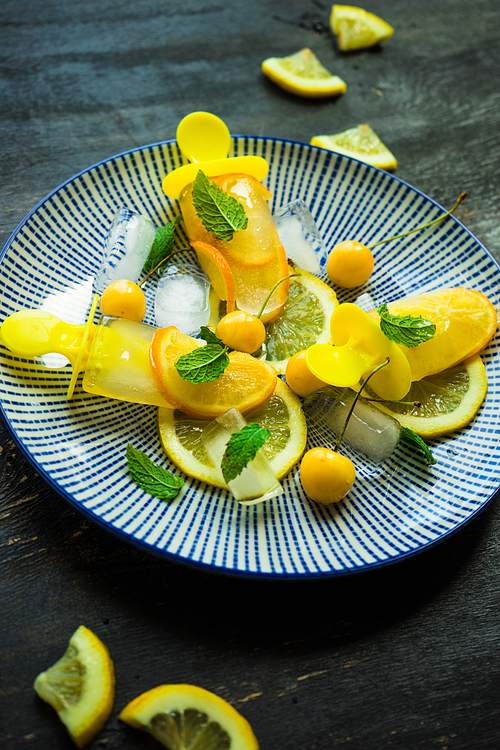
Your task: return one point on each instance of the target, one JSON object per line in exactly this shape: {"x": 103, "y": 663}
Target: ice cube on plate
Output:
{"x": 300, "y": 237}
{"x": 257, "y": 482}
{"x": 183, "y": 298}
{"x": 369, "y": 431}
{"x": 126, "y": 248}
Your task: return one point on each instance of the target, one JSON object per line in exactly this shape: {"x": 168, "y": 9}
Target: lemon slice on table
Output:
{"x": 303, "y": 74}
{"x": 186, "y": 717}
{"x": 360, "y": 143}
{"x": 305, "y": 320}
{"x": 80, "y": 686}
{"x": 356, "y": 28}
{"x": 282, "y": 415}
{"x": 449, "y": 400}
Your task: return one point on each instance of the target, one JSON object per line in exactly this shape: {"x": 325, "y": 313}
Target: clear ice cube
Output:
{"x": 126, "y": 248}
{"x": 183, "y": 298}
{"x": 369, "y": 432}
{"x": 257, "y": 482}
{"x": 300, "y": 237}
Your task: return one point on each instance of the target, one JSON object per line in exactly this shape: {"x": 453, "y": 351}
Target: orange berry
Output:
{"x": 326, "y": 476}
{"x": 350, "y": 264}
{"x": 124, "y": 299}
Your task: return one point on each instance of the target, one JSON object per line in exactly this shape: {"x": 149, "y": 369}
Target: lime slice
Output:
{"x": 282, "y": 415}
{"x": 449, "y": 400}
{"x": 305, "y": 320}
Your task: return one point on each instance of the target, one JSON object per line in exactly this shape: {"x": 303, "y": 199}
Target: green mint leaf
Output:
{"x": 209, "y": 336}
{"x": 219, "y": 212}
{"x": 150, "y": 477}
{"x": 241, "y": 448}
{"x": 416, "y": 442}
{"x": 203, "y": 364}
{"x": 406, "y": 330}
{"x": 163, "y": 245}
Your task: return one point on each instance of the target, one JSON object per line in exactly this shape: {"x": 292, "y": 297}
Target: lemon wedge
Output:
{"x": 304, "y": 320}
{"x": 360, "y": 143}
{"x": 356, "y": 28}
{"x": 303, "y": 74}
{"x": 80, "y": 686}
{"x": 282, "y": 415}
{"x": 186, "y": 717}
{"x": 449, "y": 400}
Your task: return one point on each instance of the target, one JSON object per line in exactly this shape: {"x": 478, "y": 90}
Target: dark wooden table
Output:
{"x": 404, "y": 657}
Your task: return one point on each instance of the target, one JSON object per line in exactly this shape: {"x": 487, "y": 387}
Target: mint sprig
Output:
{"x": 416, "y": 442}
{"x": 205, "y": 363}
{"x": 150, "y": 477}
{"x": 241, "y": 448}
{"x": 406, "y": 330}
{"x": 163, "y": 245}
{"x": 219, "y": 212}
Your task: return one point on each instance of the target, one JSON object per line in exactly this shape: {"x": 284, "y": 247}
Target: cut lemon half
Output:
{"x": 304, "y": 320}
{"x": 186, "y": 717}
{"x": 360, "y": 143}
{"x": 356, "y": 28}
{"x": 282, "y": 415}
{"x": 303, "y": 74}
{"x": 449, "y": 400}
{"x": 465, "y": 322}
{"x": 80, "y": 686}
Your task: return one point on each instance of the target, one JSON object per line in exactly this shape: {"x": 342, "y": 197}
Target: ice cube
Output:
{"x": 183, "y": 298}
{"x": 257, "y": 482}
{"x": 369, "y": 431}
{"x": 126, "y": 248}
{"x": 300, "y": 237}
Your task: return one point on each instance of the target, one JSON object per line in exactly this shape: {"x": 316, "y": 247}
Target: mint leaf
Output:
{"x": 150, "y": 477}
{"x": 162, "y": 246}
{"x": 241, "y": 448}
{"x": 209, "y": 336}
{"x": 406, "y": 330}
{"x": 203, "y": 364}
{"x": 219, "y": 212}
{"x": 418, "y": 444}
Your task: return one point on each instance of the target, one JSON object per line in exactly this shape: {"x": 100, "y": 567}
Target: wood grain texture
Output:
{"x": 404, "y": 657}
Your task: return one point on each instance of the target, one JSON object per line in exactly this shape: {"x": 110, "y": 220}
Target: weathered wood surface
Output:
{"x": 404, "y": 657}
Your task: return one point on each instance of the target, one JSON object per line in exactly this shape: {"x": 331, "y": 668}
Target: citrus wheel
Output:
{"x": 360, "y": 143}
{"x": 244, "y": 385}
{"x": 449, "y": 400}
{"x": 303, "y": 74}
{"x": 304, "y": 320}
{"x": 186, "y": 717}
{"x": 282, "y": 415}
{"x": 80, "y": 686}
{"x": 465, "y": 322}
{"x": 356, "y": 28}
{"x": 218, "y": 271}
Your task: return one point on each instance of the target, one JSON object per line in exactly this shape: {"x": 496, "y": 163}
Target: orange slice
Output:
{"x": 245, "y": 384}
{"x": 465, "y": 322}
{"x": 255, "y": 255}
{"x": 217, "y": 270}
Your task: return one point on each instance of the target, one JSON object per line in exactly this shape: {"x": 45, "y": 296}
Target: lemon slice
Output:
{"x": 303, "y": 74}
{"x": 449, "y": 400}
{"x": 361, "y": 143}
{"x": 282, "y": 415}
{"x": 305, "y": 320}
{"x": 80, "y": 686}
{"x": 186, "y": 717}
{"x": 355, "y": 28}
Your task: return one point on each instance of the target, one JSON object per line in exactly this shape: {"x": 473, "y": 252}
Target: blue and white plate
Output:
{"x": 79, "y": 446}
